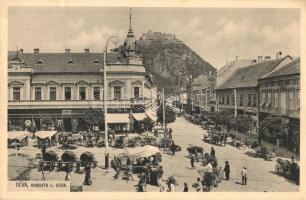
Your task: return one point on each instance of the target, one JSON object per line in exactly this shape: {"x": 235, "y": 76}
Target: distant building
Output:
{"x": 279, "y": 93}
{"x": 62, "y": 86}
{"x": 203, "y": 95}
{"x": 240, "y": 91}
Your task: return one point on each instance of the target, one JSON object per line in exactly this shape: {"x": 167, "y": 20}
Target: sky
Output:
{"x": 218, "y": 35}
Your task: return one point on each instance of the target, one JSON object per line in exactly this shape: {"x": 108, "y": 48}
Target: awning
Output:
{"x": 144, "y": 151}
{"x": 116, "y": 118}
{"x": 139, "y": 116}
{"x": 45, "y": 134}
{"x": 18, "y": 135}
{"x": 152, "y": 115}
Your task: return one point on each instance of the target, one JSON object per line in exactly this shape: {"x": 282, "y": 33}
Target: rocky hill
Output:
{"x": 165, "y": 57}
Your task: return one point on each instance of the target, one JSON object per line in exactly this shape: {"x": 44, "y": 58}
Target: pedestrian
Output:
{"x": 227, "y": 170}
{"x": 68, "y": 176}
{"x": 173, "y": 146}
{"x": 87, "y": 180}
{"x": 212, "y": 151}
{"x": 192, "y": 162}
{"x": 159, "y": 175}
{"x": 185, "y": 187}
{"x": 43, "y": 151}
{"x": 244, "y": 176}
{"x": 172, "y": 186}
{"x": 198, "y": 185}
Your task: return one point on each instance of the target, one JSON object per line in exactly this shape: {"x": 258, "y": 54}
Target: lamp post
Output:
{"x": 115, "y": 41}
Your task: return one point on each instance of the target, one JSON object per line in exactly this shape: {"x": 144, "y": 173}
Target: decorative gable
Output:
{"x": 82, "y": 82}
{"x": 52, "y": 83}
{"x": 116, "y": 83}
{"x": 15, "y": 83}
{"x": 137, "y": 82}
{"x": 16, "y": 60}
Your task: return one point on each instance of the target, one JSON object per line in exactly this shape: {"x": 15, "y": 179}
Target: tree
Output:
{"x": 245, "y": 123}
{"x": 94, "y": 117}
{"x": 270, "y": 128}
{"x": 169, "y": 113}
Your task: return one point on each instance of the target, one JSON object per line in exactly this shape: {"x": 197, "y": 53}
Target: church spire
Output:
{"x": 130, "y": 19}
{"x": 130, "y": 33}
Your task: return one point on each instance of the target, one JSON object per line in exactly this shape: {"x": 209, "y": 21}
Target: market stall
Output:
{"x": 48, "y": 138}
{"x": 18, "y": 138}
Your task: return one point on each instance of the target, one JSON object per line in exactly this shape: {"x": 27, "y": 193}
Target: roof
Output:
{"x": 248, "y": 76}
{"x": 64, "y": 62}
{"x": 289, "y": 69}
{"x": 201, "y": 82}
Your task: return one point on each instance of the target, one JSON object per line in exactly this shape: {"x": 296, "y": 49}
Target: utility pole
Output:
{"x": 164, "y": 115}
{"x": 105, "y": 110}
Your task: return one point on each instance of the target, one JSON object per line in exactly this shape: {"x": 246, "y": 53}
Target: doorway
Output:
{"x": 67, "y": 124}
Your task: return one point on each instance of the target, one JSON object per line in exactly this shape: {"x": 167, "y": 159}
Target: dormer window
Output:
{"x": 40, "y": 62}
{"x": 70, "y": 61}
{"x": 96, "y": 61}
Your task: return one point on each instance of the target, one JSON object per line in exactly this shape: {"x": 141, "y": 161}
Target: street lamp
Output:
{"x": 115, "y": 42}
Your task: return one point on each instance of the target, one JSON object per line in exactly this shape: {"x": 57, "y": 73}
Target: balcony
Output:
{"x": 80, "y": 104}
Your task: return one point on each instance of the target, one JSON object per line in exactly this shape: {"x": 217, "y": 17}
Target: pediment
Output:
{"x": 138, "y": 82}
{"x": 116, "y": 83}
{"x": 15, "y": 83}
{"x": 16, "y": 60}
{"x": 82, "y": 82}
{"x": 52, "y": 83}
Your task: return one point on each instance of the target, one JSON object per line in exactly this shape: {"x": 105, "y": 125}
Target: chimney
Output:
{"x": 67, "y": 50}
{"x": 21, "y": 51}
{"x": 259, "y": 58}
{"x": 267, "y": 57}
{"x": 36, "y": 50}
{"x": 86, "y": 50}
{"x": 237, "y": 57}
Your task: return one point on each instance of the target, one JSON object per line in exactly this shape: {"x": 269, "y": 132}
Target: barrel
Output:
{"x": 68, "y": 156}
{"x": 87, "y": 157}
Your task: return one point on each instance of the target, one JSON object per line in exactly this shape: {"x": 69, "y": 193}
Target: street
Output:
{"x": 261, "y": 175}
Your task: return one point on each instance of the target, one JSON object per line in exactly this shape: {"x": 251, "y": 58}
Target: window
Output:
{"x": 223, "y": 99}
{"x": 117, "y": 92}
{"x": 276, "y": 102}
{"x": 227, "y": 99}
{"x": 233, "y": 99}
{"x": 38, "y": 93}
{"x": 82, "y": 93}
{"x": 241, "y": 100}
{"x": 249, "y": 99}
{"x": 254, "y": 99}
{"x": 96, "y": 93}
{"x": 67, "y": 93}
{"x": 52, "y": 93}
{"x": 16, "y": 94}
{"x": 136, "y": 92}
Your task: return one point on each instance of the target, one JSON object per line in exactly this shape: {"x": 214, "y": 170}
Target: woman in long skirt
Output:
{"x": 87, "y": 180}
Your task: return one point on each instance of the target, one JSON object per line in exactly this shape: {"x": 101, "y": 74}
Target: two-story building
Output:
{"x": 279, "y": 93}
{"x": 240, "y": 91}
{"x": 62, "y": 86}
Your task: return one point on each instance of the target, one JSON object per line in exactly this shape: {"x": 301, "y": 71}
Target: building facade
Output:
{"x": 279, "y": 93}
{"x": 62, "y": 86}
{"x": 240, "y": 91}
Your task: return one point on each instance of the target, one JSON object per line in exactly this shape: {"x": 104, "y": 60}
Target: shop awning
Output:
{"x": 139, "y": 116}
{"x": 152, "y": 115}
{"x": 116, "y": 118}
{"x": 18, "y": 135}
{"x": 45, "y": 134}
